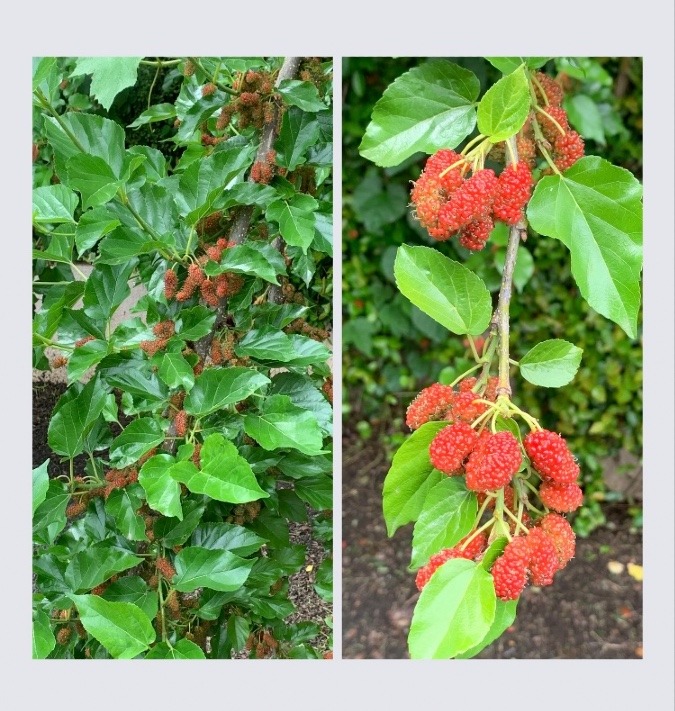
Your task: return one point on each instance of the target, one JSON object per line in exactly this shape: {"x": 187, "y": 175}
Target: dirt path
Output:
{"x": 589, "y": 612}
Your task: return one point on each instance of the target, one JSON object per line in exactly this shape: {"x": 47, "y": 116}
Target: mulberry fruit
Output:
{"x": 451, "y": 446}
{"x": 551, "y": 456}
{"x": 493, "y": 462}
{"x": 509, "y": 571}
{"x": 562, "y": 535}
{"x": 514, "y": 186}
{"x": 561, "y": 497}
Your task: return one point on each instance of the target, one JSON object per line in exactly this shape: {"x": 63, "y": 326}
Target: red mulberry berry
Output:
{"x": 164, "y": 329}
{"x": 228, "y": 284}
{"x": 561, "y": 497}
{"x": 151, "y": 347}
{"x": 493, "y": 462}
{"x": 209, "y": 89}
{"x": 548, "y": 127}
{"x": 465, "y": 386}
{"x": 544, "y": 559}
{"x": 465, "y": 408}
{"x": 180, "y": 423}
{"x": 560, "y": 531}
{"x": 58, "y": 362}
{"x": 82, "y": 341}
{"x": 552, "y": 90}
{"x": 510, "y": 569}
{"x": 470, "y": 552}
{"x": 208, "y": 291}
{"x": 430, "y": 404}
{"x": 451, "y": 446}
{"x": 471, "y": 201}
{"x": 551, "y": 456}
{"x": 261, "y": 173}
{"x": 514, "y": 186}
{"x": 216, "y": 352}
{"x": 64, "y": 634}
{"x": 526, "y": 150}
{"x": 189, "y": 68}
{"x": 165, "y": 568}
{"x": 567, "y": 150}
{"x": 476, "y": 234}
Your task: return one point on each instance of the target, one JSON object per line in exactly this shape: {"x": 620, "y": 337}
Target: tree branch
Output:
{"x": 500, "y": 318}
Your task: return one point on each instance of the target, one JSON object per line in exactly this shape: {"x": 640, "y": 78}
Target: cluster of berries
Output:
{"x": 211, "y": 290}
{"x": 164, "y": 330}
{"x": 255, "y": 104}
{"x": 470, "y": 548}
{"x": 566, "y": 145}
{"x": 262, "y": 642}
{"x": 537, "y": 556}
{"x": 446, "y": 202}
{"x": 263, "y": 171}
{"x": 442, "y": 402}
{"x": 244, "y": 513}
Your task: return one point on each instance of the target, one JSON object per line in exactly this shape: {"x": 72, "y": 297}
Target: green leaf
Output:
{"x": 238, "y": 629}
{"x": 377, "y": 205}
{"x": 410, "y": 478}
{"x": 273, "y": 346}
{"x": 43, "y": 637}
{"x": 122, "y": 244}
{"x": 175, "y": 371}
{"x": 158, "y": 112}
{"x": 122, "y": 505}
{"x": 93, "y": 178}
{"x": 323, "y": 585}
{"x": 49, "y": 518}
{"x": 133, "y": 588}
{"x": 216, "y": 388}
{"x": 305, "y": 395}
{"x": 224, "y": 476}
{"x": 428, "y": 108}
{"x": 299, "y": 131}
{"x": 504, "y": 107}
{"x": 121, "y": 627}
{"x": 257, "y": 259}
{"x": 183, "y": 649}
{"x": 195, "y": 323}
{"x": 139, "y": 437}
{"x": 506, "y": 65}
{"x": 162, "y": 491}
{"x": 595, "y": 209}
{"x": 551, "y": 364}
{"x": 495, "y": 549}
{"x": 454, "y": 612}
{"x": 505, "y": 614}
{"x": 94, "y": 565}
{"x": 282, "y": 424}
{"x": 72, "y": 422}
{"x": 317, "y": 491}
{"x": 54, "y": 204}
{"x": 40, "y": 484}
{"x": 109, "y": 75}
{"x": 96, "y": 136}
{"x": 227, "y": 537}
{"x": 105, "y": 289}
{"x": 296, "y": 219}
{"x": 302, "y": 94}
{"x": 447, "y": 516}
{"x": 445, "y": 290}
{"x": 175, "y": 532}
{"x": 584, "y": 115}
{"x": 213, "y": 569}
{"x": 203, "y": 182}
{"x": 84, "y": 357}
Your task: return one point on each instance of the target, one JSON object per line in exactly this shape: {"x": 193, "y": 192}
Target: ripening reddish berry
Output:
{"x": 430, "y": 404}
{"x": 180, "y": 423}
{"x": 82, "y": 341}
{"x": 469, "y": 552}
{"x": 526, "y": 150}
{"x": 261, "y": 173}
{"x": 475, "y": 235}
{"x": 551, "y": 456}
{"x": 64, "y": 634}
{"x": 209, "y": 89}
{"x": 471, "y": 201}
{"x": 164, "y": 329}
{"x": 552, "y": 90}
{"x": 493, "y": 462}
{"x": 567, "y": 150}
{"x": 514, "y": 187}
{"x": 58, "y": 362}
{"x": 165, "y": 567}
{"x": 76, "y": 508}
{"x": 216, "y": 352}
{"x": 189, "y": 68}
{"x": 561, "y": 497}
{"x": 548, "y": 127}
{"x": 451, "y": 446}
{"x": 509, "y": 571}
{"x": 208, "y": 292}
{"x": 544, "y": 561}
{"x": 562, "y": 535}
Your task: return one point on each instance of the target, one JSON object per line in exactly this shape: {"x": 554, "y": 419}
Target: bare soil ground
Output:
{"x": 589, "y": 612}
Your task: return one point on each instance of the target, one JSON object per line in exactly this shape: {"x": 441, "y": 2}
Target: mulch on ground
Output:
{"x": 588, "y": 613}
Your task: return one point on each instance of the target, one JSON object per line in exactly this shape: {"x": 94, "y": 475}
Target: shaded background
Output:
{"x": 391, "y": 350}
